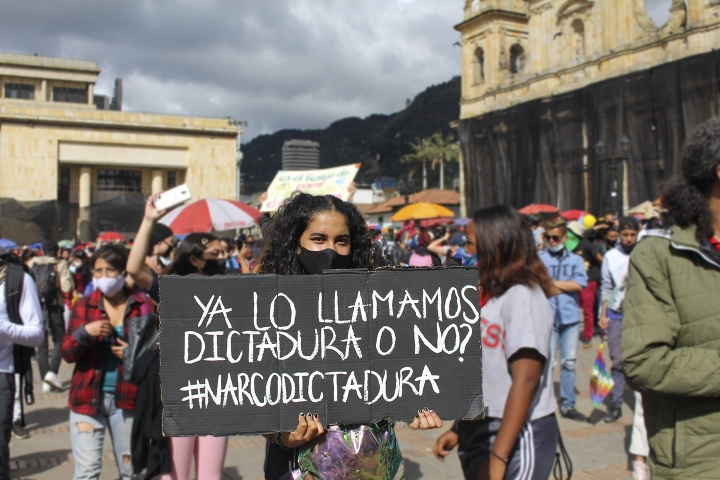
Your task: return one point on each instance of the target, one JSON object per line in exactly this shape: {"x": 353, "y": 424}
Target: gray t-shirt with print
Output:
{"x": 521, "y": 318}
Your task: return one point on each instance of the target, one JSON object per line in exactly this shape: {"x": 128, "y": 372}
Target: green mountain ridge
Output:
{"x": 353, "y": 140}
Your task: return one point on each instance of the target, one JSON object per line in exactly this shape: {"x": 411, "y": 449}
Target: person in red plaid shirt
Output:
{"x": 100, "y": 397}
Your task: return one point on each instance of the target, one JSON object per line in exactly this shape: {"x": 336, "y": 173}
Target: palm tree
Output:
{"x": 421, "y": 154}
{"x": 442, "y": 149}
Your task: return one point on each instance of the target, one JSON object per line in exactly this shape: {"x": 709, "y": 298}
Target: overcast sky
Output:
{"x": 275, "y": 63}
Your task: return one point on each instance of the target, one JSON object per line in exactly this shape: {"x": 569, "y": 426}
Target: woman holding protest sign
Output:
{"x": 519, "y": 437}
{"x": 198, "y": 253}
{"x": 308, "y": 235}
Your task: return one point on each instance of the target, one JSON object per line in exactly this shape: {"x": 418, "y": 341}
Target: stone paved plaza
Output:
{"x": 598, "y": 451}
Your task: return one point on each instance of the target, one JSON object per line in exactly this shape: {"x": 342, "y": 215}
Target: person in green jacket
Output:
{"x": 671, "y": 329}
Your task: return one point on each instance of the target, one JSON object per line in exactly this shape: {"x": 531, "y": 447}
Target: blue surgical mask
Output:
{"x": 557, "y": 248}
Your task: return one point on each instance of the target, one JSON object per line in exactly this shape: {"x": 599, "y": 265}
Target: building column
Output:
{"x": 91, "y": 92}
{"x": 158, "y": 183}
{"x": 84, "y": 201}
{"x": 43, "y": 91}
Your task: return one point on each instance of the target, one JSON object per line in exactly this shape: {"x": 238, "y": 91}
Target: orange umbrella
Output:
{"x": 421, "y": 211}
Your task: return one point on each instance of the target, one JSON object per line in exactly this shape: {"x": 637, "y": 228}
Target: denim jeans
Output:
{"x": 567, "y": 337}
{"x": 7, "y": 394}
{"x": 614, "y": 333}
{"x": 55, "y": 329}
{"x": 87, "y": 433}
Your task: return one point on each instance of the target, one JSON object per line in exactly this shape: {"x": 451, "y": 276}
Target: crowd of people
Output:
{"x": 547, "y": 284}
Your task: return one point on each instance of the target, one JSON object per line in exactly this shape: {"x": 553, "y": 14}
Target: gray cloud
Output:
{"x": 277, "y": 64}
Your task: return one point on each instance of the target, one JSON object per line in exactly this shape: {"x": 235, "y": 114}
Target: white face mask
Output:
{"x": 110, "y": 286}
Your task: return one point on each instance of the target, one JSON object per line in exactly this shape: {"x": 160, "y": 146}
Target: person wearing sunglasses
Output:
{"x": 567, "y": 270}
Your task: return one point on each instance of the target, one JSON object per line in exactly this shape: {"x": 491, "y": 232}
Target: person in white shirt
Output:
{"x": 27, "y": 331}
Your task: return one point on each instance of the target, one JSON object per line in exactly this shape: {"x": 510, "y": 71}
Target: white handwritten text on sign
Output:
{"x": 247, "y": 354}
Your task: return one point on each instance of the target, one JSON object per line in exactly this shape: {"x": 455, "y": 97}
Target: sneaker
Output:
{"x": 51, "y": 379}
{"x": 640, "y": 470}
{"x": 586, "y": 344}
{"x": 612, "y": 414}
{"x": 19, "y": 431}
{"x": 573, "y": 414}
{"x": 46, "y": 388}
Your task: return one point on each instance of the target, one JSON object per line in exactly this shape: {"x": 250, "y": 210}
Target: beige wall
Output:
{"x": 617, "y": 38}
{"x": 31, "y": 153}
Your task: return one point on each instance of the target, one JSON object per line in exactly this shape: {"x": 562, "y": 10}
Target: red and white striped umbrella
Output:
{"x": 210, "y": 214}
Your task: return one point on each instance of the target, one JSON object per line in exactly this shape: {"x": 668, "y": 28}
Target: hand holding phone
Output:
{"x": 172, "y": 198}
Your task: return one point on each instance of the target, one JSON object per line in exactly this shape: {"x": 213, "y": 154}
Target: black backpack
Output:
{"x": 46, "y": 282}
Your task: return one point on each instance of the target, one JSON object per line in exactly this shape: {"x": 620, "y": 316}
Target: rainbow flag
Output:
{"x": 600, "y": 381}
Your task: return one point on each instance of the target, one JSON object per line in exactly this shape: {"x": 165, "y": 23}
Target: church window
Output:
{"x": 658, "y": 11}
{"x": 479, "y": 66}
{"x": 517, "y": 58}
{"x": 578, "y": 36}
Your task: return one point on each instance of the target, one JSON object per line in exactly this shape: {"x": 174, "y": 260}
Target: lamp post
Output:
{"x": 238, "y": 154}
{"x": 613, "y": 162}
{"x": 406, "y": 187}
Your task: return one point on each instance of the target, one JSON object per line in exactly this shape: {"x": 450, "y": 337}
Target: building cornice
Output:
{"x": 491, "y": 13}
{"x": 593, "y": 63}
{"x": 120, "y": 121}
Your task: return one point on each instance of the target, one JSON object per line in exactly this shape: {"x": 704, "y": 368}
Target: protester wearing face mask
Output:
{"x": 198, "y": 253}
{"x": 614, "y": 283}
{"x": 81, "y": 270}
{"x": 567, "y": 271}
{"x": 611, "y": 238}
{"x": 100, "y": 397}
{"x": 152, "y": 251}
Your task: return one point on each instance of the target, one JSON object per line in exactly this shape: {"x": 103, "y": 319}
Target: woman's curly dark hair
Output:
{"x": 288, "y": 225}
{"x": 686, "y": 197}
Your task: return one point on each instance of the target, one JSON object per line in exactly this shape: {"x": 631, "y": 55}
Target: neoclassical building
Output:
{"x": 543, "y": 81}
{"x": 71, "y": 150}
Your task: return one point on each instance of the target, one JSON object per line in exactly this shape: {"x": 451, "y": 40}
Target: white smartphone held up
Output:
{"x": 173, "y": 197}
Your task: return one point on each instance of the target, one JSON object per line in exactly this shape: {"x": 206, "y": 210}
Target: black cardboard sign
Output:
{"x": 245, "y": 354}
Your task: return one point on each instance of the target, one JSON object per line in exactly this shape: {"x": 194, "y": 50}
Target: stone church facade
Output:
{"x": 544, "y": 80}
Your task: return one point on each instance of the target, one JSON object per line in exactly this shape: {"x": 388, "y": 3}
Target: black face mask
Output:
{"x": 214, "y": 267}
{"x": 611, "y": 244}
{"x": 627, "y": 248}
{"x": 315, "y": 262}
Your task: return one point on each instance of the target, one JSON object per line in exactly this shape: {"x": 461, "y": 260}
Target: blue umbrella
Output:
{"x": 7, "y": 243}
{"x": 36, "y": 245}
{"x": 461, "y": 222}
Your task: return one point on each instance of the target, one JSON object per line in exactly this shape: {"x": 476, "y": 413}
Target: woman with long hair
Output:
{"x": 519, "y": 436}
{"x": 100, "y": 397}
{"x": 198, "y": 253}
{"x": 308, "y": 235}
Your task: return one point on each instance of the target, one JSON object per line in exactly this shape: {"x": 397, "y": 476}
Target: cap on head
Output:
{"x": 458, "y": 239}
{"x": 576, "y": 228}
{"x": 629, "y": 223}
